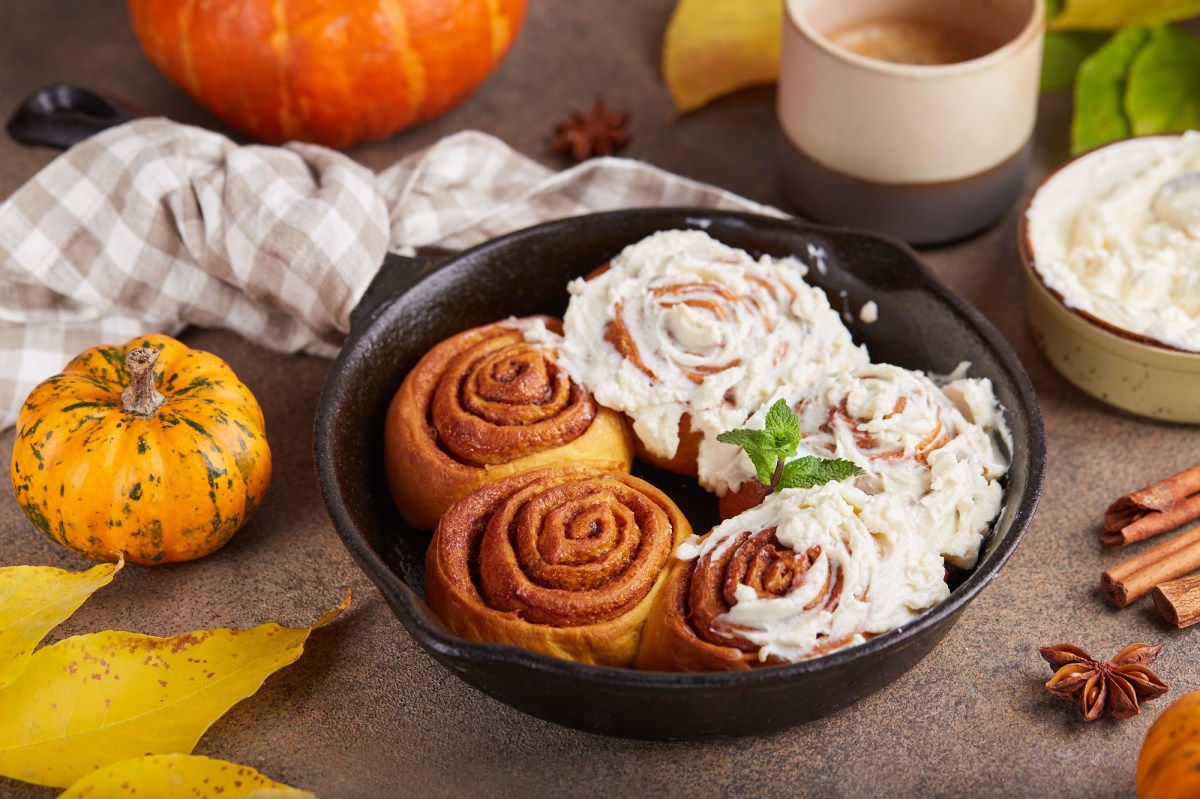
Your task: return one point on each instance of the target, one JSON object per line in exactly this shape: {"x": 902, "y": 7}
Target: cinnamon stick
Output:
{"x": 1155, "y": 509}
{"x": 1135, "y": 577}
{"x": 1178, "y": 601}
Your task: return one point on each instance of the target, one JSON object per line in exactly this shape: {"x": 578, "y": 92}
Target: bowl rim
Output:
{"x": 422, "y": 624}
{"x": 1029, "y": 258}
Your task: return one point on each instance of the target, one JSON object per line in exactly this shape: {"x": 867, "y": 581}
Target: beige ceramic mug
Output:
{"x": 909, "y": 117}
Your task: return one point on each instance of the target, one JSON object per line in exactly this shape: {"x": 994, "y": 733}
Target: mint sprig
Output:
{"x": 770, "y": 448}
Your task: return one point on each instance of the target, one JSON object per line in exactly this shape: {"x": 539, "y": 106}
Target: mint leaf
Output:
{"x": 767, "y": 447}
{"x": 741, "y": 438}
{"x": 757, "y": 446}
{"x": 811, "y": 471}
{"x": 783, "y": 425}
{"x": 1162, "y": 93}
{"x": 1100, "y": 91}
{"x": 776, "y": 443}
{"x": 1063, "y": 53}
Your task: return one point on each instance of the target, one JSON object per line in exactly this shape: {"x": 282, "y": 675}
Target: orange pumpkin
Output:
{"x": 150, "y": 449}
{"x": 334, "y": 72}
{"x": 1169, "y": 764}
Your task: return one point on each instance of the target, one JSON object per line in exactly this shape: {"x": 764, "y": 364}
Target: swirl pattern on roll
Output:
{"x": 564, "y": 560}
{"x": 486, "y": 403}
{"x": 683, "y": 326}
{"x": 502, "y": 397}
{"x": 803, "y": 574}
{"x": 885, "y": 413}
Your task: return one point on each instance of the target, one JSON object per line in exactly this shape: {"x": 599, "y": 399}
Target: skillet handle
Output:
{"x": 62, "y": 114}
{"x": 398, "y": 274}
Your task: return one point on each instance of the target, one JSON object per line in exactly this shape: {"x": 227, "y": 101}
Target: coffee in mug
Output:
{"x": 910, "y": 40}
{"x": 908, "y": 117}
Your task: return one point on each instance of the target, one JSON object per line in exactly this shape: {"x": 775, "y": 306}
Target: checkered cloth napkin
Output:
{"x": 152, "y": 226}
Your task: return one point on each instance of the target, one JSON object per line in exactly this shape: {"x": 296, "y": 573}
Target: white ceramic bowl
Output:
{"x": 1129, "y": 370}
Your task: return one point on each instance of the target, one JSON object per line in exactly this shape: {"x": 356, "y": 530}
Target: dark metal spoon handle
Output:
{"x": 62, "y": 115}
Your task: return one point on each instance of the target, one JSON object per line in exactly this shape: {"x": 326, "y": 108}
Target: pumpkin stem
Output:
{"x": 141, "y": 398}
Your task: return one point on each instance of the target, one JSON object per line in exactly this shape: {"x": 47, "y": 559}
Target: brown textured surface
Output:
{"x": 365, "y": 713}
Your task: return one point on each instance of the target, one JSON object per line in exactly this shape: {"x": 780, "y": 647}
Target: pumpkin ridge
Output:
{"x": 283, "y": 59}
{"x": 190, "y": 75}
{"x": 410, "y": 63}
{"x": 501, "y": 28}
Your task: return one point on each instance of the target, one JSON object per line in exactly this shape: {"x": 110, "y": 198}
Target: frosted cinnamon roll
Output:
{"x": 685, "y": 333}
{"x": 565, "y": 561}
{"x": 929, "y": 453}
{"x": 805, "y": 573}
{"x": 485, "y": 404}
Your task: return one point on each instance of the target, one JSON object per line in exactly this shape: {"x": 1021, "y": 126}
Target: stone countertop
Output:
{"x": 366, "y": 713}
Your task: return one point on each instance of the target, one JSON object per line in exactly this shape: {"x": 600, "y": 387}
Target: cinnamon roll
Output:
{"x": 805, "y": 573}
{"x": 925, "y": 455}
{"x": 683, "y": 333}
{"x": 565, "y": 561}
{"x": 485, "y": 404}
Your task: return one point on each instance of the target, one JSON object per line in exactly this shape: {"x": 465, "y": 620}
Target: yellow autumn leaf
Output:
{"x": 92, "y": 700}
{"x": 714, "y": 47}
{"x": 1106, "y": 15}
{"x": 36, "y": 599}
{"x": 179, "y": 777}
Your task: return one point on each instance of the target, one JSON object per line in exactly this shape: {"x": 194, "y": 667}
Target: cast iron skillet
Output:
{"x": 920, "y": 325}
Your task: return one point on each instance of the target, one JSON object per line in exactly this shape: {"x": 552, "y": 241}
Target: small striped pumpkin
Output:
{"x": 333, "y": 72}
{"x": 152, "y": 450}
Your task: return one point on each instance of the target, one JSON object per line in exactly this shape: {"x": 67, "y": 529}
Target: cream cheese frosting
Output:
{"x": 864, "y": 576}
{"x": 931, "y": 455}
{"x": 1117, "y": 234}
{"x": 683, "y": 324}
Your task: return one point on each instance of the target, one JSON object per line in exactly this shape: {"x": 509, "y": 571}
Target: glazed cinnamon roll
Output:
{"x": 485, "y": 404}
{"x": 565, "y": 561}
{"x": 685, "y": 334}
{"x": 801, "y": 575}
{"x": 924, "y": 455}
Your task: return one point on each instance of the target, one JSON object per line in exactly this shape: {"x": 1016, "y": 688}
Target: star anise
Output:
{"x": 601, "y": 132}
{"x": 1117, "y": 684}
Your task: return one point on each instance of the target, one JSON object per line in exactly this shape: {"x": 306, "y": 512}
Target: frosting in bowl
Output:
{"x": 1116, "y": 233}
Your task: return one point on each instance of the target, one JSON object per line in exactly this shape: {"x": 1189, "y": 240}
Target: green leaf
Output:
{"x": 1107, "y": 15}
{"x": 1062, "y": 55}
{"x": 767, "y": 447}
{"x": 783, "y": 425}
{"x": 1053, "y": 8}
{"x": 765, "y": 462}
{"x": 1100, "y": 91}
{"x": 811, "y": 471}
{"x": 743, "y": 437}
{"x": 1162, "y": 93}
{"x": 778, "y": 442}
{"x": 757, "y": 446}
